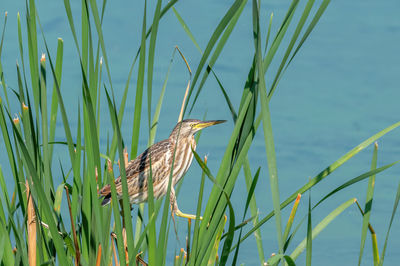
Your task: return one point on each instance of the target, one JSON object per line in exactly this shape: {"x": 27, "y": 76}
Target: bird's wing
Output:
{"x": 137, "y": 170}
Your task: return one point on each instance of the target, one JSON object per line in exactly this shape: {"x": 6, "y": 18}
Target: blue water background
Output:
{"x": 342, "y": 88}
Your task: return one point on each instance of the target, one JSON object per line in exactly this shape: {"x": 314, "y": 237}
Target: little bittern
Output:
{"x": 161, "y": 156}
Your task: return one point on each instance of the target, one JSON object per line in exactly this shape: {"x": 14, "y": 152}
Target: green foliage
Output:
{"x": 30, "y": 145}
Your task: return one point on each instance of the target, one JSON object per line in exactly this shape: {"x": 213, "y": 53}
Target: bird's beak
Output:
{"x": 205, "y": 124}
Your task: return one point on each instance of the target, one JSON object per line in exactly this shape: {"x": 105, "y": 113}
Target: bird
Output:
{"x": 174, "y": 153}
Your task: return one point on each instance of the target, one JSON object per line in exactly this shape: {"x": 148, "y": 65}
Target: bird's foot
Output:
{"x": 187, "y": 216}
{"x": 140, "y": 260}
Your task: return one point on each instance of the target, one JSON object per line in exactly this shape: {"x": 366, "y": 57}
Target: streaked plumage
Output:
{"x": 161, "y": 154}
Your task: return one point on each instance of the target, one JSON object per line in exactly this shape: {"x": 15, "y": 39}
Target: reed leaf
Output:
{"x": 54, "y": 97}
{"x": 250, "y": 199}
{"x": 268, "y": 136}
{"x": 31, "y": 145}
{"x": 139, "y": 88}
{"x": 309, "y": 232}
{"x": 368, "y": 202}
{"x": 276, "y": 258}
{"x": 395, "y": 205}
{"x": 196, "y": 229}
{"x": 327, "y": 171}
{"x": 209, "y": 67}
{"x": 150, "y": 66}
{"x": 321, "y": 226}
{"x": 5, "y": 243}
{"x": 42, "y": 197}
{"x": 2, "y": 79}
{"x": 125, "y": 195}
{"x": 218, "y": 49}
{"x": 210, "y": 45}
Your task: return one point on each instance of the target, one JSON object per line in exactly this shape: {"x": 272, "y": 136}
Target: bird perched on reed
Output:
{"x": 176, "y": 151}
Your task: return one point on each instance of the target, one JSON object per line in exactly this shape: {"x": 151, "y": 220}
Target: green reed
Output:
{"x": 87, "y": 233}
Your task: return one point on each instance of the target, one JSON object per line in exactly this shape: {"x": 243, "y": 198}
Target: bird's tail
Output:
{"x": 106, "y": 199}
{"x": 105, "y": 194}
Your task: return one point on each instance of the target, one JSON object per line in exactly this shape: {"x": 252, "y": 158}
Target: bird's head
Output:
{"x": 189, "y": 127}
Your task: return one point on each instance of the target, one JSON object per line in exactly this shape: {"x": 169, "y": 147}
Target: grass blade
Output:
{"x": 54, "y": 97}
{"x": 217, "y": 203}
{"x": 268, "y": 136}
{"x": 280, "y": 34}
{"x": 48, "y": 181}
{"x": 3, "y": 82}
{"x": 214, "y": 231}
{"x": 41, "y": 196}
{"x": 154, "y": 123}
{"x": 139, "y": 88}
{"x": 230, "y": 234}
{"x": 290, "y": 220}
{"x": 150, "y": 66}
{"x": 321, "y": 226}
{"x": 31, "y": 227}
{"x": 295, "y": 35}
{"x": 375, "y": 251}
{"x": 64, "y": 116}
{"x": 269, "y": 32}
{"x": 276, "y": 258}
{"x": 209, "y": 67}
{"x": 310, "y": 27}
{"x": 10, "y": 150}
{"x": 196, "y": 229}
{"x": 327, "y": 171}
{"x": 309, "y": 233}
{"x": 368, "y": 203}
{"x": 250, "y": 199}
{"x": 357, "y": 179}
{"x": 396, "y": 203}
{"x": 97, "y": 22}
{"x": 212, "y": 255}
{"x": 221, "y": 43}
{"x": 125, "y": 194}
{"x": 32, "y": 48}
{"x": 7, "y": 256}
{"x": 214, "y": 37}
{"x": 125, "y": 94}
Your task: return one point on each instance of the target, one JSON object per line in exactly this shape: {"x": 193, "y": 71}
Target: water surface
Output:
{"x": 342, "y": 88}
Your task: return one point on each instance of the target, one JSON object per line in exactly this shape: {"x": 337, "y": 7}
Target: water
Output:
{"x": 341, "y": 89}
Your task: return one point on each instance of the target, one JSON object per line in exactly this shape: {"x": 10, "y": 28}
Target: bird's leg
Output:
{"x": 175, "y": 209}
{"x": 139, "y": 259}
{"x": 173, "y": 205}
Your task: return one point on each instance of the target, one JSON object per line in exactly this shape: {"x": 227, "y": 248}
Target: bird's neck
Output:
{"x": 193, "y": 142}
{"x": 183, "y": 141}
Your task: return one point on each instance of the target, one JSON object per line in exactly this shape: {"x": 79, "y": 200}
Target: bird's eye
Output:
{"x": 192, "y": 125}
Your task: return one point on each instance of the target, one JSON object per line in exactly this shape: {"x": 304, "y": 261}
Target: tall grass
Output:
{"x": 36, "y": 229}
